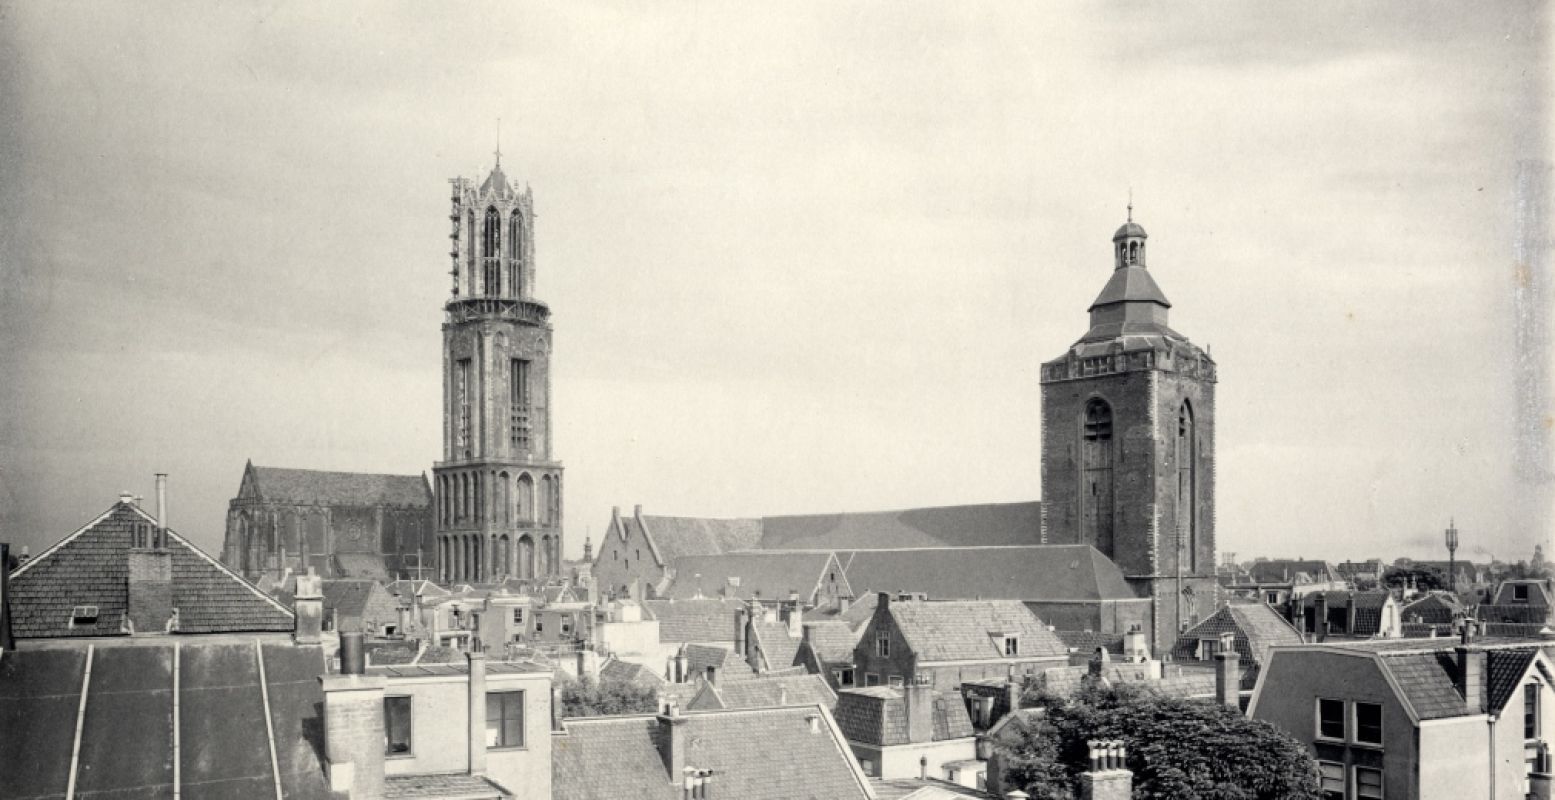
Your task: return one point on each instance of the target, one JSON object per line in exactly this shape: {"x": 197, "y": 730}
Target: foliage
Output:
{"x": 591, "y": 698}
{"x": 1178, "y": 749}
{"x": 1427, "y": 579}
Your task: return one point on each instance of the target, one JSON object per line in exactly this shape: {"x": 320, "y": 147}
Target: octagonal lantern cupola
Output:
{"x": 1128, "y": 244}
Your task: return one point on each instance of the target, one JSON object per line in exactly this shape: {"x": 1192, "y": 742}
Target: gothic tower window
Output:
{"x": 1187, "y": 494}
{"x": 469, "y": 272}
{"x": 516, "y": 253}
{"x": 518, "y": 404}
{"x": 462, "y": 399}
{"x": 1096, "y": 476}
{"x": 491, "y": 254}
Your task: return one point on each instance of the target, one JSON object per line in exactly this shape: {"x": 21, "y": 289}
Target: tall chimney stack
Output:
{"x": 477, "y": 716}
{"x": 1471, "y": 664}
{"x": 162, "y": 505}
{"x": 1228, "y": 673}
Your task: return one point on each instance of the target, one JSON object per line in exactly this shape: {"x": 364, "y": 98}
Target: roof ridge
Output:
{"x": 49, "y": 551}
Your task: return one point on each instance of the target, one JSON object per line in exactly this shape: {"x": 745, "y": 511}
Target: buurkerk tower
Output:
{"x": 498, "y": 486}
{"x": 1128, "y": 444}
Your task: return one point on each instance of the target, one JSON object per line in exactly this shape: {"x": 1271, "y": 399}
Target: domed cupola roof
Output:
{"x": 1130, "y": 230}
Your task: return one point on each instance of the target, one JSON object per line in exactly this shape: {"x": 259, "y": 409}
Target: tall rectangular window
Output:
{"x": 1531, "y": 711}
{"x": 883, "y": 644}
{"x": 1368, "y": 723}
{"x": 396, "y": 726}
{"x": 504, "y": 719}
{"x": 462, "y": 399}
{"x": 518, "y": 404}
{"x": 1011, "y": 646}
{"x": 1330, "y": 719}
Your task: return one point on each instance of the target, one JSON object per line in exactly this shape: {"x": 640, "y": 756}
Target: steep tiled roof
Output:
{"x": 348, "y": 598}
{"x": 762, "y": 692}
{"x": 1288, "y": 570}
{"x": 730, "y": 667}
{"x": 1368, "y": 607}
{"x": 126, "y": 734}
{"x": 832, "y": 641}
{"x": 1426, "y": 678}
{"x": 1519, "y": 613}
{"x": 710, "y": 619}
{"x": 766, "y": 575}
{"x": 954, "y": 630}
{"x": 943, "y": 526}
{"x": 627, "y": 672}
{"x": 776, "y": 646}
{"x": 311, "y": 487}
{"x": 1257, "y": 627}
{"x": 1437, "y": 607}
{"x": 755, "y": 754}
{"x": 91, "y": 568}
{"x": 676, "y": 537}
{"x": 878, "y": 716}
{"x": 1090, "y": 641}
{"x": 1036, "y": 572}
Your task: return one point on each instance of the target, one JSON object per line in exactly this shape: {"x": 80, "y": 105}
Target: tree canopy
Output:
{"x": 1427, "y": 579}
{"x": 591, "y": 698}
{"x": 1177, "y": 749}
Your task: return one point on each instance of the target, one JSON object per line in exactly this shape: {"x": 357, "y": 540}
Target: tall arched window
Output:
{"x": 526, "y": 500}
{"x": 491, "y": 254}
{"x": 516, "y": 253}
{"x": 1096, "y": 458}
{"x": 1187, "y": 488}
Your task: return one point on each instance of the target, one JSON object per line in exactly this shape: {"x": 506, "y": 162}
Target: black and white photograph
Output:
{"x": 707, "y": 400}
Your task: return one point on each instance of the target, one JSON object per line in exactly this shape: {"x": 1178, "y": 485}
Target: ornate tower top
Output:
{"x": 492, "y": 255}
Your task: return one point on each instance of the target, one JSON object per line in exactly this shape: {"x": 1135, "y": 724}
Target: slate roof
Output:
{"x": 878, "y": 716}
{"x": 627, "y": 672}
{"x": 675, "y": 537}
{"x": 126, "y": 745}
{"x": 832, "y": 641}
{"x": 766, "y": 575}
{"x": 959, "y": 630}
{"x": 1519, "y": 613}
{"x": 1035, "y": 572}
{"x": 367, "y": 566}
{"x": 1434, "y": 608}
{"x": 763, "y": 692}
{"x": 1423, "y": 669}
{"x": 730, "y": 667}
{"x": 1538, "y": 593}
{"x": 1130, "y": 285}
{"x": 710, "y": 619}
{"x": 1289, "y": 570}
{"x": 1090, "y": 641}
{"x": 440, "y": 787}
{"x": 778, "y": 649}
{"x": 1368, "y": 607}
{"x": 311, "y": 487}
{"x": 91, "y": 567}
{"x": 1255, "y": 626}
{"x": 755, "y": 754}
{"x": 942, "y": 526}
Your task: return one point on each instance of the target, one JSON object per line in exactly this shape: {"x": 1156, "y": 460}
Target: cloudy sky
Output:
{"x": 800, "y": 258}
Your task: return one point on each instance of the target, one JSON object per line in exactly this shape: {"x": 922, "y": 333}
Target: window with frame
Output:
{"x": 1368, "y": 723}
{"x": 1330, "y": 719}
{"x": 518, "y": 616}
{"x": 1208, "y": 648}
{"x": 895, "y": 682}
{"x": 1331, "y": 780}
{"x": 1368, "y": 783}
{"x": 883, "y": 644}
{"x": 871, "y": 679}
{"x": 1531, "y": 711}
{"x": 505, "y": 719}
{"x": 1520, "y": 593}
{"x": 518, "y": 404}
{"x": 1012, "y": 646}
{"x": 396, "y": 725}
{"x": 844, "y": 676}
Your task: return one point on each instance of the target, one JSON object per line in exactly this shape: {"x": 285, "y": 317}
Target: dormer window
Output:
{"x": 1520, "y": 593}
{"x": 83, "y": 615}
{"x": 1012, "y": 645}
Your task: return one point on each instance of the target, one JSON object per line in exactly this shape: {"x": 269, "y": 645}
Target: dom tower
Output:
{"x": 1128, "y": 445}
{"x": 499, "y": 488}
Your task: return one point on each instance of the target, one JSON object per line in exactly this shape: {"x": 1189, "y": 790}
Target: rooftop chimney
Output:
{"x": 918, "y": 700}
{"x": 1471, "y": 665}
{"x": 162, "y": 503}
{"x": 1228, "y": 673}
{"x": 672, "y": 739}
{"x": 308, "y": 608}
{"x": 1320, "y": 616}
{"x": 353, "y": 657}
{"x": 476, "y": 739}
{"x": 150, "y": 580}
{"x": 353, "y": 732}
{"x": 1107, "y": 779}
{"x": 1135, "y": 648}
{"x": 740, "y": 616}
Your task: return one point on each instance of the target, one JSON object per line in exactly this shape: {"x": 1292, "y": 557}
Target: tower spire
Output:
{"x": 1130, "y": 204}
{"x": 499, "y": 144}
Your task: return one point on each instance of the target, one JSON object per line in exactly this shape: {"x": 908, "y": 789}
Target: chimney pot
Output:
{"x": 162, "y": 502}
{"x": 353, "y": 658}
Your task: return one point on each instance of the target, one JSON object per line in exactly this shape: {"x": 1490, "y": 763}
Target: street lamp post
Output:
{"x": 1452, "y": 549}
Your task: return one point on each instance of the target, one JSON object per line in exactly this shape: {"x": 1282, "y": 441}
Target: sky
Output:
{"x": 800, "y": 258}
